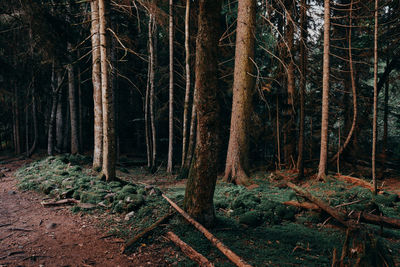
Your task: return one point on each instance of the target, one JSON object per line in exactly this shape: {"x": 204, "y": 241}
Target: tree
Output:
{"x": 96, "y": 80}
{"x": 109, "y": 149}
{"x": 171, "y": 88}
{"x": 243, "y": 87}
{"x": 73, "y": 109}
{"x": 200, "y": 187}
{"x": 375, "y": 111}
{"x": 325, "y": 95}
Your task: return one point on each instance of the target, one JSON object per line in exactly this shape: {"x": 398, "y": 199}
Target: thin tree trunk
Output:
{"x": 325, "y": 95}
{"x": 171, "y": 89}
{"x": 200, "y": 187}
{"x": 146, "y": 108}
{"x": 73, "y": 109}
{"x": 374, "y": 126}
{"x": 80, "y": 108}
{"x": 152, "y": 91}
{"x": 27, "y": 123}
{"x": 353, "y": 88}
{"x": 187, "y": 89}
{"x": 51, "y": 131}
{"x": 96, "y": 80}
{"x": 109, "y": 152}
{"x": 243, "y": 87}
{"x": 60, "y": 122}
{"x": 192, "y": 135}
{"x": 385, "y": 122}
{"x": 303, "y": 80}
{"x": 17, "y": 137}
{"x": 278, "y": 133}
{"x": 35, "y": 123}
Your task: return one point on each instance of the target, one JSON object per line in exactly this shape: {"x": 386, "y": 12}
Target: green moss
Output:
{"x": 251, "y": 218}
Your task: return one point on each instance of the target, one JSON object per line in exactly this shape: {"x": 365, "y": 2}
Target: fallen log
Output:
{"x": 376, "y": 219}
{"x": 355, "y": 181}
{"x": 60, "y": 202}
{"x": 224, "y": 249}
{"x": 189, "y": 251}
{"x": 133, "y": 240}
{"x": 303, "y": 205}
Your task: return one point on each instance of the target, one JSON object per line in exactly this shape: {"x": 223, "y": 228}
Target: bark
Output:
{"x": 27, "y": 105}
{"x": 60, "y": 122}
{"x": 303, "y": 80}
{"x": 96, "y": 80}
{"x": 152, "y": 92}
{"x": 243, "y": 87}
{"x": 35, "y": 123}
{"x": 146, "y": 107}
{"x": 171, "y": 89}
{"x": 51, "y": 131}
{"x": 187, "y": 89}
{"x": 325, "y": 95}
{"x": 17, "y": 136}
{"x": 80, "y": 107}
{"x": 200, "y": 187}
{"x": 375, "y": 111}
{"x": 109, "y": 150}
{"x": 73, "y": 108}
{"x": 192, "y": 135}
{"x": 353, "y": 88}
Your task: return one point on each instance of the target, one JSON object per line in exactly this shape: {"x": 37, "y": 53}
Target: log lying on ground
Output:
{"x": 303, "y": 205}
{"x": 355, "y": 181}
{"x": 60, "y": 202}
{"x": 189, "y": 251}
{"x": 224, "y": 249}
{"x": 349, "y": 221}
{"x": 133, "y": 240}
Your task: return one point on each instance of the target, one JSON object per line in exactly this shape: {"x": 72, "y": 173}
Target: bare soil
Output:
{"x": 33, "y": 235}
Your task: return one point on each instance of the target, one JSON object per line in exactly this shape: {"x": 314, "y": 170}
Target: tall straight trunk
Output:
{"x": 325, "y": 95}
{"x": 303, "y": 80}
{"x": 153, "y": 62}
{"x": 200, "y": 187}
{"x": 146, "y": 108}
{"x": 375, "y": 112}
{"x": 17, "y": 135}
{"x": 114, "y": 81}
{"x": 187, "y": 89}
{"x": 353, "y": 88}
{"x": 96, "y": 81}
{"x": 80, "y": 108}
{"x": 192, "y": 135}
{"x": 171, "y": 88}
{"x": 67, "y": 129}
{"x": 32, "y": 149}
{"x": 289, "y": 129}
{"x": 54, "y": 98}
{"x": 385, "y": 119}
{"x": 60, "y": 122}
{"x": 109, "y": 149}
{"x": 243, "y": 87}
{"x": 27, "y": 123}
{"x": 73, "y": 109}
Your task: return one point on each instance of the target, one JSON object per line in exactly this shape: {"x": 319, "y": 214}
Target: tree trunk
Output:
{"x": 187, "y": 89}
{"x": 17, "y": 136}
{"x": 152, "y": 92}
{"x": 80, "y": 108}
{"x": 374, "y": 126}
{"x": 109, "y": 152}
{"x": 27, "y": 123}
{"x": 171, "y": 88}
{"x": 325, "y": 95}
{"x": 96, "y": 80}
{"x": 60, "y": 122}
{"x": 73, "y": 109}
{"x": 146, "y": 105}
{"x": 385, "y": 124}
{"x": 200, "y": 187}
{"x": 51, "y": 131}
{"x": 243, "y": 87}
{"x": 303, "y": 80}
{"x": 192, "y": 135}
{"x": 35, "y": 123}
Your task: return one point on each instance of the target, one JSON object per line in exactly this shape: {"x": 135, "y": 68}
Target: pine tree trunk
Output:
{"x": 375, "y": 111}
{"x": 200, "y": 187}
{"x": 171, "y": 89}
{"x": 27, "y": 123}
{"x": 325, "y": 95}
{"x": 35, "y": 123}
{"x": 243, "y": 87}
{"x": 60, "y": 121}
{"x": 96, "y": 80}
{"x": 146, "y": 108}
{"x": 192, "y": 136}
{"x": 153, "y": 62}
{"x": 80, "y": 108}
{"x": 109, "y": 149}
{"x": 54, "y": 98}
{"x": 73, "y": 109}
{"x": 303, "y": 80}
{"x": 17, "y": 135}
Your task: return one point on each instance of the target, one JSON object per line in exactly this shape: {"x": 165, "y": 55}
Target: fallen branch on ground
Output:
{"x": 303, "y": 205}
{"x": 355, "y": 181}
{"x": 146, "y": 231}
{"x": 224, "y": 249}
{"x": 189, "y": 251}
{"x": 60, "y": 202}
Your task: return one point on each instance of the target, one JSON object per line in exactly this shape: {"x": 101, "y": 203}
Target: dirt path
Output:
{"x": 31, "y": 235}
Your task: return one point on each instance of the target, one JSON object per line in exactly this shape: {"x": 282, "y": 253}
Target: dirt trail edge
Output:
{"x": 32, "y": 235}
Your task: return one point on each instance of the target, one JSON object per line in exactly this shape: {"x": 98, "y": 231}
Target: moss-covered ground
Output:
{"x": 252, "y": 222}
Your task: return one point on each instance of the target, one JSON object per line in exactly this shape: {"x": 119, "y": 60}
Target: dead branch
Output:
{"x": 303, "y": 205}
{"x": 60, "y": 202}
{"x": 189, "y": 251}
{"x": 355, "y": 181}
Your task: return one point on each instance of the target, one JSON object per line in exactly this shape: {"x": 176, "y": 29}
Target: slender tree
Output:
{"x": 243, "y": 87}
{"x": 375, "y": 111}
{"x": 73, "y": 107}
{"x": 325, "y": 94}
{"x": 171, "y": 88}
{"x": 200, "y": 187}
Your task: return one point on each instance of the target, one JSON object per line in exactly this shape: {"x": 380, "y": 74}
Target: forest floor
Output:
{"x": 252, "y": 221}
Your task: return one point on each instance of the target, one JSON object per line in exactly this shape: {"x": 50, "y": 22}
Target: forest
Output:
{"x": 200, "y": 133}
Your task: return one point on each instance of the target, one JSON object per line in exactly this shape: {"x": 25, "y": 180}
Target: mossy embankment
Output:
{"x": 254, "y": 223}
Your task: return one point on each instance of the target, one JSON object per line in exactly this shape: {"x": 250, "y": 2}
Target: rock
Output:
{"x": 51, "y": 225}
{"x": 129, "y": 215}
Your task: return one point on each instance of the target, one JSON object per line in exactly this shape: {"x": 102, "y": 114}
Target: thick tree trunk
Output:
{"x": 303, "y": 80}
{"x": 73, "y": 109}
{"x": 109, "y": 149}
{"x": 243, "y": 87}
{"x": 325, "y": 95}
{"x": 200, "y": 187}
{"x": 187, "y": 89}
{"x": 96, "y": 80}
{"x": 171, "y": 89}
{"x": 375, "y": 111}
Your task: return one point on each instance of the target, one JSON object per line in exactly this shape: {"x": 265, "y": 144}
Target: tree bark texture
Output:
{"x": 32, "y": 148}
{"x": 171, "y": 89}
{"x": 96, "y": 80}
{"x": 243, "y": 87}
{"x": 375, "y": 111}
{"x": 153, "y": 63}
{"x": 73, "y": 108}
{"x": 200, "y": 187}
{"x": 60, "y": 120}
{"x": 54, "y": 99}
{"x": 109, "y": 150}
{"x": 325, "y": 95}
